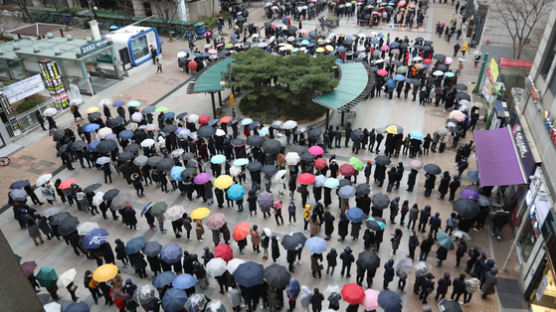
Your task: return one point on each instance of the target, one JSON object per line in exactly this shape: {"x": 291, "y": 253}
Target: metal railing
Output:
{"x": 28, "y": 120}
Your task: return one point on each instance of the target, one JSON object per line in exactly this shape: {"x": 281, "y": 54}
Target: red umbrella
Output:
{"x": 382, "y": 72}
{"x": 353, "y": 293}
{"x": 316, "y": 150}
{"x": 203, "y": 120}
{"x": 225, "y": 119}
{"x": 306, "y": 178}
{"x": 66, "y": 184}
{"x": 427, "y": 61}
{"x": 241, "y": 231}
{"x": 192, "y": 65}
{"x": 347, "y": 170}
{"x": 320, "y": 163}
{"x": 224, "y": 252}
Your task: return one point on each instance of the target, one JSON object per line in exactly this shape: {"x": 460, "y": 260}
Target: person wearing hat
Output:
{"x": 367, "y": 171}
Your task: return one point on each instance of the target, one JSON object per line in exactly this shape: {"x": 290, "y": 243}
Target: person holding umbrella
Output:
{"x": 256, "y": 238}
{"x": 316, "y": 266}
{"x": 292, "y": 291}
{"x": 388, "y": 273}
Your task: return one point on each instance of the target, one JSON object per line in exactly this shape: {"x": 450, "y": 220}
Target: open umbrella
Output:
{"x": 241, "y": 230}
{"x": 320, "y": 163}
{"x": 67, "y": 277}
{"x": 272, "y": 146}
{"x": 316, "y": 245}
{"x": 94, "y": 238}
{"x": 356, "y": 163}
{"x": 43, "y": 179}
{"x": 461, "y": 235}
{"x": 163, "y": 279}
{"x": 216, "y": 267}
{"x": 174, "y": 300}
{"x": 432, "y": 169}
{"x": 306, "y": 178}
{"x": 470, "y": 194}
{"x": 121, "y": 201}
{"x": 449, "y": 305}
{"x": 390, "y": 301}
{"x": 105, "y": 272}
{"x": 51, "y": 211}
{"x": 249, "y": 274}
{"x": 28, "y": 267}
{"x": 171, "y": 253}
{"x": 206, "y": 131}
{"x": 294, "y": 241}
{"x": 347, "y": 191}
{"x": 375, "y": 224}
{"x": 223, "y": 251}
{"x": 184, "y": 281}
{"x": 404, "y": 267}
{"x": 380, "y": 201}
{"x": 19, "y": 184}
{"x": 355, "y": 215}
{"x": 415, "y": 164}
{"x": 382, "y": 160}
{"x": 466, "y": 208}
{"x": 316, "y": 150}
{"x": 362, "y": 189}
{"x": 347, "y": 170}
{"x": 235, "y": 192}
{"x": 370, "y": 302}
{"x": 233, "y": 264}
{"x": 68, "y": 225}
{"x": 277, "y": 276}
{"x": 216, "y": 221}
{"x": 134, "y": 245}
{"x": 368, "y": 259}
{"x": 47, "y": 277}
{"x": 174, "y": 213}
{"x": 200, "y": 213}
{"x": 353, "y": 293}
{"x": 331, "y": 183}
{"x": 152, "y": 248}
{"x": 265, "y": 199}
{"x": 202, "y": 178}
{"x": 158, "y": 208}
{"x": 444, "y": 240}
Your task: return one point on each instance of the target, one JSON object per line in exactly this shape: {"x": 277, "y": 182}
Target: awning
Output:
{"x": 497, "y": 158}
{"x": 353, "y": 83}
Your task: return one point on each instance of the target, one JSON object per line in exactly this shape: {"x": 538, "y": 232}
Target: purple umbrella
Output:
{"x": 202, "y": 178}
{"x": 265, "y": 199}
{"x": 470, "y": 194}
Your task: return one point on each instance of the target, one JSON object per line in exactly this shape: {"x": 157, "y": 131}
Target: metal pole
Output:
{"x": 481, "y": 73}
{"x": 220, "y": 98}
{"x": 327, "y": 117}
{"x": 213, "y": 104}
{"x": 521, "y": 226}
{"x": 343, "y": 115}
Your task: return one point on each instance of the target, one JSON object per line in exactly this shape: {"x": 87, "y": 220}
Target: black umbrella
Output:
{"x": 357, "y": 135}
{"x": 125, "y": 156}
{"x": 427, "y": 48}
{"x": 362, "y": 189}
{"x": 292, "y": 29}
{"x": 427, "y": 42}
{"x": 419, "y": 39}
{"x": 380, "y": 201}
{"x": 114, "y": 122}
{"x": 272, "y": 146}
{"x": 107, "y": 146}
{"x": 188, "y": 172}
{"x": 432, "y": 169}
{"x": 68, "y": 225}
{"x": 253, "y": 125}
{"x": 254, "y": 166}
{"x": 442, "y": 67}
{"x": 466, "y": 208}
{"x": 397, "y": 63}
{"x": 315, "y": 133}
{"x": 57, "y": 219}
{"x": 300, "y": 149}
{"x": 344, "y": 182}
{"x": 58, "y": 135}
{"x": 404, "y": 45}
{"x": 187, "y": 156}
{"x": 460, "y": 86}
{"x": 277, "y": 276}
{"x": 77, "y": 145}
{"x": 373, "y": 224}
{"x": 255, "y": 140}
{"x": 181, "y": 115}
{"x": 240, "y": 18}
{"x": 132, "y": 148}
{"x": 192, "y": 163}
{"x": 206, "y": 131}
{"x": 269, "y": 169}
{"x": 111, "y": 194}
{"x": 171, "y": 128}
{"x": 463, "y": 96}
{"x": 165, "y": 164}
{"x": 92, "y": 188}
{"x": 382, "y": 160}
{"x": 238, "y": 142}
{"x": 368, "y": 259}
{"x": 307, "y": 156}
{"x": 154, "y": 160}
{"x": 94, "y": 116}
{"x": 294, "y": 241}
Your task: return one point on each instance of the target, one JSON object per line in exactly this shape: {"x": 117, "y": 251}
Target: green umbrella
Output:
{"x": 161, "y": 109}
{"x": 444, "y": 240}
{"x": 402, "y": 69}
{"x": 47, "y": 277}
{"x": 356, "y": 163}
{"x": 158, "y": 208}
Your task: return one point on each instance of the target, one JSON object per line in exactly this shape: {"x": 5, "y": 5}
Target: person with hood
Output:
{"x": 275, "y": 249}
{"x": 411, "y": 178}
{"x": 426, "y": 246}
{"x": 292, "y": 292}
{"x": 92, "y": 286}
{"x": 186, "y": 221}
{"x": 489, "y": 283}
{"x": 459, "y": 287}
{"x": 290, "y": 258}
{"x": 256, "y": 239}
{"x": 316, "y": 300}
{"x": 404, "y": 211}
{"x": 265, "y": 243}
{"x": 347, "y": 259}
{"x": 306, "y": 296}
{"x": 207, "y": 255}
{"x": 413, "y": 243}
{"x": 413, "y": 215}
{"x": 331, "y": 261}
{"x": 316, "y": 266}
{"x": 430, "y": 179}
{"x": 379, "y": 175}
{"x": 343, "y": 225}
{"x": 369, "y": 239}
{"x": 291, "y": 212}
{"x": 435, "y": 223}
{"x": 306, "y": 216}
{"x": 388, "y": 273}
{"x": 460, "y": 250}
{"x": 424, "y": 218}
{"x": 314, "y": 225}
{"x": 427, "y": 287}
{"x": 396, "y": 239}
{"x": 367, "y": 171}
{"x": 471, "y": 286}
{"x": 394, "y": 208}
{"x": 120, "y": 251}
{"x": 454, "y": 185}
{"x": 328, "y": 219}
{"x": 444, "y": 183}
{"x": 392, "y": 177}
{"x": 442, "y": 287}
{"x": 355, "y": 228}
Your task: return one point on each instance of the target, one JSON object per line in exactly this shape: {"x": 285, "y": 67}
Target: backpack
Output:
{"x": 93, "y": 284}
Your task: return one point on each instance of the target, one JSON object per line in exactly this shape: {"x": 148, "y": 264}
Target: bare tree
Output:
{"x": 22, "y": 4}
{"x": 520, "y": 17}
{"x": 167, "y": 11}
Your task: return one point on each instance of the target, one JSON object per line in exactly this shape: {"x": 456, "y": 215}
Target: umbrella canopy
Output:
{"x": 66, "y": 184}
{"x": 200, "y": 213}
{"x": 347, "y": 170}
{"x": 165, "y": 164}
{"x": 47, "y": 277}
{"x": 206, "y": 131}
{"x": 235, "y": 192}
{"x": 432, "y": 169}
{"x": 68, "y": 225}
{"x": 265, "y": 199}
{"x": 449, "y": 305}
{"x": 184, "y": 281}
{"x": 347, "y": 191}
{"x": 362, "y": 189}
{"x": 466, "y": 208}
{"x": 59, "y": 218}
{"x": 67, "y": 277}
{"x": 382, "y": 160}
{"x": 107, "y": 146}
{"x": 43, "y": 179}
{"x": 306, "y": 178}
{"x": 121, "y": 201}
{"x": 19, "y": 184}
{"x": 316, "y": 150}
{"x": 171, "y": 253}
{"x": 393, "y": 129}
{"x": 134, "y": 245}
{"x": 51, "y": 211}
{"x": 444, "y": 240}
{"x": 216, "y": 221}
{"x": 49, "y": 112}
{"x": 241, "y": 230}
{"x": 105, "y": 272}
{"x": 152, "y": 249}
{"x": 94, "y": 238}
{"x": 218, "y": 159}
{"x": 320, "y": 163}
{"x": 174, "y": 213}
{"x": 174, "y": 300}
{"x": 234, "y": 264}
{"x": 294, "y": 241}
{"x": 158, "y": 208}
{"x": 163, "y": 279}
{"x": 370, "y": 302}
{"x": 415, "y": 164}
{"x": 277, "y": 276}
{"x": 28, "y": 267}
{"x": 355, "y": 214}
{"x": 316, "y": 245}
{"x": 223, "y": 251}
{"x": 240, "y": 162}
{"x": 353, "y": 293}
{"x": 356, "y": 163}
{"x": 216, "y": 267}
{"x": 331, "y": 183}
{"x": 470, "y": 194}
{"x": 292, "y": 158}
{"x": 255, "y": 141}
{"x": 404, "y": 267}
{"x": 462, "y": 235}
{"x": 272, "y": 146}
{"x": 249, "y": 274}
{"x": 254, "y": 166}
{"x": 368, "y": 259}
{"x": 375, "y": 224}
{"x": 202, "y": 178}
{"x": 380, "y": 201}
{"x": 390, "y": 301}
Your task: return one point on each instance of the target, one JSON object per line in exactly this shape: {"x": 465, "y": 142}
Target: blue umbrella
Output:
{"x": 95, "y": 238}
{"x": 473, "y": 175}
{"x": 347, "y": 191}
{"x": 174, "y": 300}
{"x": 18, "y": 195}
{"x": 90, "y": 127}
{"x": 169, "y": 115}
{"x": 118, "y": 104}
{"x": 331, "y": 183}
{"x": 341, "y": 49}
{"x": 176, "y": 173}
{"x": 418, "y": 135}
{"x": 134, "y": 245}
{"x": 374, "y": 41}
{"x": 389, "y": 301}
{"x": 240, "y": 162}
{"x": 163, "y": 279}
{"x": 236, "y": 192}
{"x": 253, "y": 125}
{"x": 213, "y": 122}
{"x": 134, "y": 103}
{"x": 147, "y": 207}
{"x": 93, "y": 146}
{"x": 249, "y": 274}
{"x": 19, "y": 184}
{"x": 126, "y": 134}
{"x": 77, "y": 307}
{"x": 293, "y": 288}
{"x": 399, "y": 77}
{"x": 218, "y": 159}
{"x": 110, "y": 136}
{"x": 394, "y": 44}
{"x": 171, "y": 253}
{"x": 355, "y": 214}
{"x": 184, "y": 281}
{"x": 449, "y": 74}
{"x": 390, "y": 84}
{"x": 316, "y": 245}
{"x": 263, "y": 131}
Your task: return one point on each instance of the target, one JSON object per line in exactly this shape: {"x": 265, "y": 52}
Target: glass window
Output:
{"x": 139, "y": 47}
{"x": 549, "y": 55}
{"x": 552, "y": 86}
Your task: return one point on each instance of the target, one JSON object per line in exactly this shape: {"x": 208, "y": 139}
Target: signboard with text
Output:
{"x": 93, "y": 46}
{"x": 19, "y": 90}
{"x": 53, "y": 79}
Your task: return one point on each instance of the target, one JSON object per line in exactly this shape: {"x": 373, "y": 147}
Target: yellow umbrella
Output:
{"x": 93, "y": 109}
{"x": 223, "y": 182}
{"x": 320, "y": 50}
{"x": 288, "y": 47}
{"x": 105, "y": 272}
{"x": 229, "y": 45}
{"x": 200, "y": 213}
{"x": 392, "y": 129}
{"x": 329, "y": 48}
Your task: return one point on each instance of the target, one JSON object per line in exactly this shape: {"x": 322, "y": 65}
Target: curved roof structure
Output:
{"x": 354, "y": 82}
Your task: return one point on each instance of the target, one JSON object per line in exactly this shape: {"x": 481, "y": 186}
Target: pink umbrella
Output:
{"x": 382, "y": 72}
{"x": 370, "y": 302}
{"x": 216, "y": 221}
{"x": 316, "y": 150}
{"x": 412, "y": 5}
{"x": 448, "y": 61}
{"x": 212, "y": 51}
{"x": 384, "y": 48}
{"x": 202, "y": 178}
{"x": 401, "y": 3}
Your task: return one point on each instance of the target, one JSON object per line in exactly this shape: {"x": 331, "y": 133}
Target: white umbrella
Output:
{"x": 438, "y": 73}
{"x": 289, "y": 124}
{"x": 151, "y": 127}
{"x": 319, "y": 180}
{"x": 105, "y": 101}
{"x": 278, "y": 175}
{"x": 193, "y": 118}
{"x": 233, "y": 264}
{"x": 235, "y": 171}
{"x": 86, "y": 227}
{"x": 181, "y": 54}
{"x": 147, "y": 142}
{"x": 184, "y": 133}
{"x": 52, "y": 307}
{"x": 292, "y": 158}
{"x": 277, "y": 124}
{"x": 216, "y": 267}
{"x": 103, "y": 132}
{"x": 51, "y": 211}
{"x": 267, "y": 231}
{"x": 43, "y": 179}
{"x": 220, "y": 132}
{"x": 460, "y": 234}
{"x": 137, "y": 117}
{"x": 417, "y": 59}
{"x": 131, "y": 126}
{"x": 49, "y": 112}
{"x": 174, "y": 213}
{"x": 98, "y": 198}
{"x": 145, "y": 292}
{"x": 177, "y": 152}
{"x": 103, "y": 160}
{"x": 66, "y": 278}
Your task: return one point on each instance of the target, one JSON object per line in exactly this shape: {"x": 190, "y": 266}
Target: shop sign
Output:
{"x": 93, "y": 46}
{"x": 51, "y": 75}
{"x": 19, "y": 90}
{"x": 523, "y": 148}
